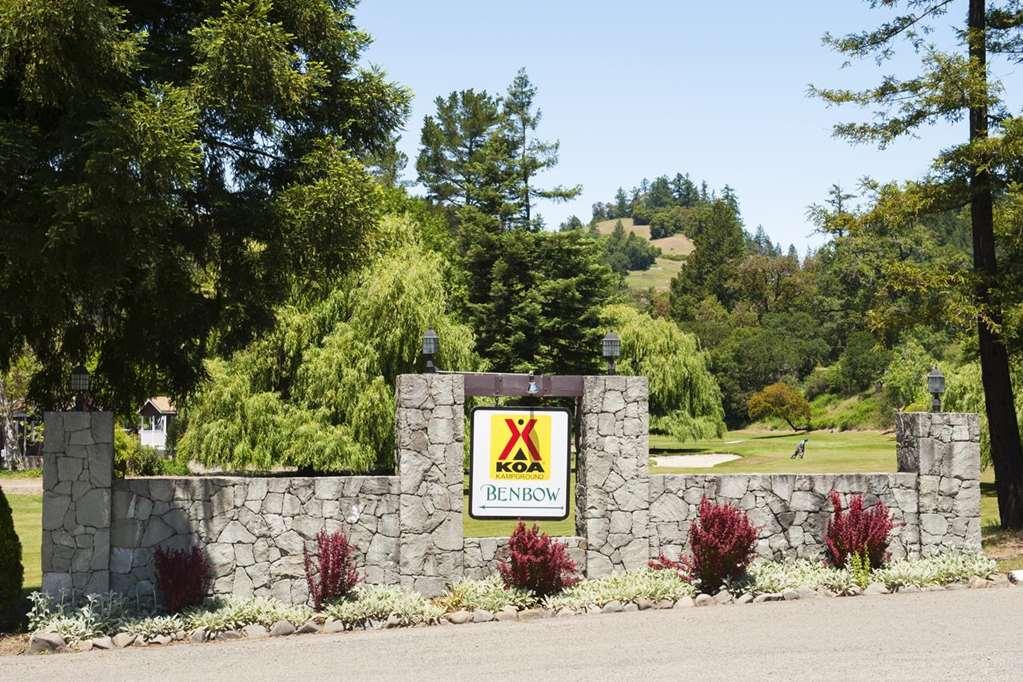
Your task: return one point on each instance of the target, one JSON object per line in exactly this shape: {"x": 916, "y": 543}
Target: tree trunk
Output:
{"x": 1006, "y": 453}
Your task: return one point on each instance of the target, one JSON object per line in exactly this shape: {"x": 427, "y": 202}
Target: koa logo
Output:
{"x": 520, "y": 447}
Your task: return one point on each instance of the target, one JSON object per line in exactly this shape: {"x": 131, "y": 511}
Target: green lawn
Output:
{"x": 769, "y": 452}
{"x": 658, "y": 277}
{"x": 28, "y": 522}
{"x": 23, "y": 473}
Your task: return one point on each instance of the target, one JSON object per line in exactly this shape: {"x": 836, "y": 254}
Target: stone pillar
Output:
{"x": 612, "y": 482}
{"x": 78, "y": 462}
{"x": 429, "y": 438}
{"x": 944, "y": 449}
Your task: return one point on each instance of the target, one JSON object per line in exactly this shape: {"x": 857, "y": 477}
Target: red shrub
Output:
{"x": 858, "y": 531}
{"x": 536, "y": 563}
{"x": 663, "y": 563}
{"x": 183, "y": 577}
{"x": 721, "y": 540}
{"x": 333, "y": 574}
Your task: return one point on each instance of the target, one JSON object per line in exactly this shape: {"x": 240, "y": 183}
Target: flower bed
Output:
{"x": 107, "y": 621}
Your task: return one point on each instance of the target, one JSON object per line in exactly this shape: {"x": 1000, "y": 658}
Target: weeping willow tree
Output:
{"x": 685, "y": 400}
{"x": 316, "y": 392}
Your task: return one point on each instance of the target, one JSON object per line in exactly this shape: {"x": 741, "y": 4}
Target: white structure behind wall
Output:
{"x": 156, "y": 417}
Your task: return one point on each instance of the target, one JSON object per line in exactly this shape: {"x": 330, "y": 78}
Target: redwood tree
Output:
{"x": 953, "y": 83}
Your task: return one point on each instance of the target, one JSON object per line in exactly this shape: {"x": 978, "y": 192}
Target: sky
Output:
{"x": 641, "y": 89}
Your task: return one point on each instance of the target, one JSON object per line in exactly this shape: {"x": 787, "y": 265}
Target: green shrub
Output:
{"x": 489, "y": 594}
{"x": 378, "y": 602}
{"x": 941, "y": 569}
{"x": 623, "y": 587}
{"x": 772, "y": 577}
{"x": 92, "y": 616}
{"x": 233, "y": 614}
{"x": 131, "y": 458}
{"x": 11, "y": 571}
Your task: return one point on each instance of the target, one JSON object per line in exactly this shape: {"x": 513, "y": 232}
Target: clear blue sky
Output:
{"x": 633, "y": 90}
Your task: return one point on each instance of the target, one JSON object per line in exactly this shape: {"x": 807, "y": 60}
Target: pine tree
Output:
{"x": 952, "y": 85}
{"x": 720, "y": 245}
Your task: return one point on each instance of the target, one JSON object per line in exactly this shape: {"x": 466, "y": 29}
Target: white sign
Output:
{"x": 519, "y": 463}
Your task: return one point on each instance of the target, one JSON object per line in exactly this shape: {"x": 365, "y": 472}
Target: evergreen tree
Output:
{"x": 11, "y": 571}
{"x": 534, "y": 155}
{"x": 951, "y": 86}
{"x": 710, "y": 269}
{"x": 621, "y": 205}
{"x": 147, "y": 149}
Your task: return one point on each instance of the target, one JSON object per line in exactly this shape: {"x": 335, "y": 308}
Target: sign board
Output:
{"x": 518, "y": 467}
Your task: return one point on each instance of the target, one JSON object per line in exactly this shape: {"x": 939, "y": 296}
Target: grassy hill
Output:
{"x": 660, "y": 274}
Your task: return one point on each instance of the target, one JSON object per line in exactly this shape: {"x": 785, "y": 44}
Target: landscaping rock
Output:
{"x": 228, "y": 635}
{"x": 282, "y": 628}
{"x": 807, "y": 593}
{"x": 393, "y": 621}
{"x": 161, "y": 640}
{"x": 506, "y": 614}
{"x": 644, "y": 604}
{"x": 458, "y": 617}
{"x": 853, "y": 591}
{"x": 664, "y": 604}
{"x": 978, "y": 583}
{"x": 744, "y": 598}
{"x": 564, "y": 612}
{"x": 876, "y": 588}
{"x": 612, "y": 607}
{"x": 308, "y": 627}
{"x": 684, "y": 603}
{"x": 45, "y": 642}
{"x": 83, "y": 645}
{"x": 768, "y": 596}
{"x": 593, "y": 608}
{"x": 103, "y": 643}
{"x": 955, "y": 586}
{"x": 790, "y": 595}
{"x": 198, "y": 635}
{"x": 724, "y": 597}
{"x": 533, "y": 614}
{"x": 909, "y": 589}
{"x": 334, "y": 626}
{"x": 139, "y": 642}
{"x": 255, "y": 631}
{"x": 123, "y": 639}
{"x": 179, "y": 635}
{"x": 704, "y": 600}
{"x": 482, "y": 616}
{"x": 1016, "y": 577}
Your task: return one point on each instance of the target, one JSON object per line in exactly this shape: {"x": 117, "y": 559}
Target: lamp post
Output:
{"x": 431, "y": 344}
{"x": 612, "y": 347}
{"x": 936, "y": 387}
{"x": 80, "y": 386}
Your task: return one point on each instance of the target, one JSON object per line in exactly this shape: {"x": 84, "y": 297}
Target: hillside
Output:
{"x": 676, "y": 245}
{"x": 661, "y": 273}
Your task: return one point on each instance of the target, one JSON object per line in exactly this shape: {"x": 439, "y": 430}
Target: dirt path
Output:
{"x": 22, "y": 486}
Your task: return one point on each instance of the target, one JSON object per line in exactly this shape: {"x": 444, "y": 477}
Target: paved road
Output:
{"x": 971, "y": 634}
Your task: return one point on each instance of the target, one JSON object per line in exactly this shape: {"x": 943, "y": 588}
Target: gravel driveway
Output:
{"x": 968, "y": 634}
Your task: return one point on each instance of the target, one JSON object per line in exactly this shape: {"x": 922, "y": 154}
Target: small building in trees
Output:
{"x": 156, "y": 414}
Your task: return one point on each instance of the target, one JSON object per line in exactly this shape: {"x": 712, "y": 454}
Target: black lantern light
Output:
{"x": 612, "y": 347}
{"x": 80, "y": 386}
{"x": 431, "y": 345}
{"x": 936, "y": 387}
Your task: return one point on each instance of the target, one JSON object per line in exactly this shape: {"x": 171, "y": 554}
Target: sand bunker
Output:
{"x": 692, "y": 461}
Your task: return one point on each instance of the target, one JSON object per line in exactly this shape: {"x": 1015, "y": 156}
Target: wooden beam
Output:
{"x": 517, "y": 385}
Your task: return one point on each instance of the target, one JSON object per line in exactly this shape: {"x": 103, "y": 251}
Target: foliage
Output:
{"x": 534, "y": 299}
{"x": 234, "y": 613}
{"x": 857, "y": 531}
{"x": 93, "y": 616}
{"x": 489, "y": 594}
{"x": 905, "y": 380}
{"x": 965, "y": 393}
{"x": 684, "y": 398}
{"x": 131, "y": 458}
{"x": 861, "y": 363}
{"x": 721, "y": 542}
{"x": 623, "y": 588}
{"x": 773, "y": 577}
{"x": 950, "y": 566}
{"x": 536, "y": 563}
{"x": 333, "y": 574}
{"x": 198, "y": 155}
{"x": 315, "y": 392}
{"x": 859, "y": 569}
{"x": 379, "y": 602}
{"x": 710, "y": 271}
{"x": 183, "y": 576}
{"x": 628, "y": 251}
{"x": 477, "y": 151}
{"x": 780, "y": 401}
{"x": 12, "y": 573}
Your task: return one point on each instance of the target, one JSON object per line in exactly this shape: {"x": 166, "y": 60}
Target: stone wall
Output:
{"x": 944, "y": 449}
{"x": 612, "y": 485}
{"x": 430, "y": 436}
{"x": 790, "y": 511}
{"x": 482, "y": 555}
{"x": 78, "y": 459}
{"x": 254, "y": 530}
